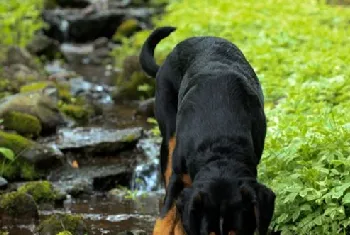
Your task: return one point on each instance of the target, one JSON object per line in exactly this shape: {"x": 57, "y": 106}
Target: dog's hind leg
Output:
{"x": 165, "y": 113}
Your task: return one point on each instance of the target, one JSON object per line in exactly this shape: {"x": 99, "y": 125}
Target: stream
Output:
{"x": 105, "y": 208}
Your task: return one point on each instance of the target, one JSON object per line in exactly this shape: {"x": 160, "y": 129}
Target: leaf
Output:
{"x": 346, "y": 199}
{"x": 7, "y": 153}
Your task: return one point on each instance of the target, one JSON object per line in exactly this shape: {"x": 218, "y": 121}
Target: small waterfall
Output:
{"x": 64, "y": 28}
{"x": 146, "y": 175}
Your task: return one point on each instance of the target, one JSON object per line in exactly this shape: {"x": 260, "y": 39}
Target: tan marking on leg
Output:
{"x": 168, "y": 170}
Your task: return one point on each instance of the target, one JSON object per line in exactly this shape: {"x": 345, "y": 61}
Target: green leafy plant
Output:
{"x": 132, "y": 194}
{"x": 19, "y": 20}
{"x": 8, "y": 156}
{"x": 300, "y": 51}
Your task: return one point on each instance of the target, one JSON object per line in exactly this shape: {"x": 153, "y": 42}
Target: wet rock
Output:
{"x": 3, "y": 183}
{"x": 75, "y": 25}
{"x": 146, "y": 108}
{"x": 17, "y": 55}
{"x": 133, "y": 232}
{"x": 94, "y": 92}
{"x": 97, "y": 139}
{"x": 100, "y": 56}
{"x": 76, "y": 54}
{"x": 100, "y": 43}
{"x": 18, "y": 205}
{"x": 41, "y": 104}
{"x": 88, "y": 178}
{"x": 42, "y": 45}
{"x": 56, "y": 223}
{"x": 20, "y": 74}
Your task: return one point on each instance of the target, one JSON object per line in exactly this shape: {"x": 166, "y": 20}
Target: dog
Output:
{"x": 210, "y": 110}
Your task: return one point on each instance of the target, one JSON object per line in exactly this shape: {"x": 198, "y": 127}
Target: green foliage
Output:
{"x": 64, "y": 233}
{"x": 19, "y": 20}
{"x": 300, "y": 51}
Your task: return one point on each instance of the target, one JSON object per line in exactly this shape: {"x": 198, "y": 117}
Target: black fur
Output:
{"x": 209, "y": 95}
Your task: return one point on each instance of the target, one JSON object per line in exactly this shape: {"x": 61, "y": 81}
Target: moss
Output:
{"x": 35, "y": 86}
{"x": 129, "y": 138}
{"x": 50, "y": 4}
{"x": 64, "y": 233}
{"x": 130, "y": 89}
{"x": 17, "y": 204}
{"x": 24, "y": 124}
{"x": 41, "y": 191}
{"x": 56, "y": 223}
{"x": 14, "y": 142}
{"x": 19, "y": 169}
{"x": 126, "y": 29}
{"x": 4, "y": 233}
{"x": 77, "y": 112}
{"x": 27, "y": 171}
{"x": 64, "y": 92}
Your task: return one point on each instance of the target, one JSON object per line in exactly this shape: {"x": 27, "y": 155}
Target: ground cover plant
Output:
{"x": 300, "y": 50}
{"x": 19, "y": 20}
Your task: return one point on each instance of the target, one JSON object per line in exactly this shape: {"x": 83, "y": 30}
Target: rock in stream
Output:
{"x": 97, "y": 140}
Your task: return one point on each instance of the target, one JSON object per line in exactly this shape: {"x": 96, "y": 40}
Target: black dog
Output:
{"x": 209, "y": 95}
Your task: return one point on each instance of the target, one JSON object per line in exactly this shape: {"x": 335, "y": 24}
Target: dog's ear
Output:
{"x": 265, "y": 208}
{"x": 263, "y": 200}
{"x": 189, "y": 205}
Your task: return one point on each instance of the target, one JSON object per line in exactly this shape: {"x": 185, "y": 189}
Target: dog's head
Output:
{"x": 240, "y": 208}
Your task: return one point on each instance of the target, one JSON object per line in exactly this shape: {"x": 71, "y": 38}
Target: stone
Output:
{"x": 41, "y": 191}
{"x": 42, "y": 104}
{"x": 32, "y": 158}
{"x": 42, "y": 45}
{"x": 3, "y": 183}
{"x": 18, "y": 55}
{"x": 101, "y": 43}
{"x": 146, "y": 108}
{"x": 55, "y": 223}
{"x": 18, "y": 205}
{"x": 97, "y": 139}
{"x": 89, "y": 24}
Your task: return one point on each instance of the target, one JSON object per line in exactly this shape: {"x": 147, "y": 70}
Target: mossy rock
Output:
{"x": 80, "y": 113}
{"x": 56, "y": 223}
{"x": 19, "y": 169}
{"x": 127, "y": 29}
{"x": 18, "y": 204}
{"x": 35, "y": 86}
{"x": 131, "y": 83}
{"x": 42, "y": 104}
{"x": 29, "y": 158}
{"x": 64, "y": 92}
{"x": 64, "y": 233}
{"x": 24, "y": 124}
{"x": 15, "y": 142}
{"x": 132, "y": 89}
{"x": 41, "y": 191}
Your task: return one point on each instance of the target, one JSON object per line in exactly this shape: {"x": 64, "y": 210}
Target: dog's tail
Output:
{"x": 147, "y": 60}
